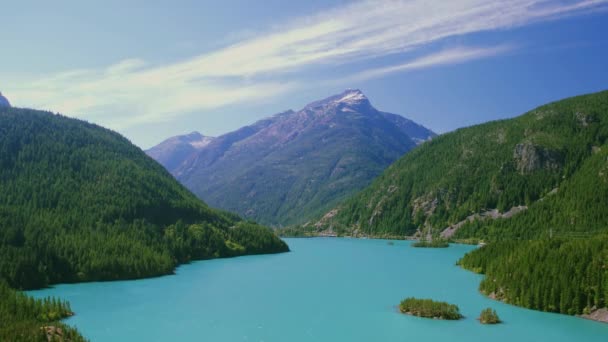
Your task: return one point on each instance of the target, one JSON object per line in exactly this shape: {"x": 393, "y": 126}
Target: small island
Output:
{"x": 428, "y": 308}
{"x": 489, "y": 316}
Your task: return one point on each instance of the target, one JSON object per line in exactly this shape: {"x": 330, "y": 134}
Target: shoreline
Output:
{"x": 598, "y": 315}
{"x": 160, "y": 275}
{"x": 363, "y": 237}
{"x": 375, "y": 237}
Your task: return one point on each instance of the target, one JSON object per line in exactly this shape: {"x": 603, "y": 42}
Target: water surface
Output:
{"x": 325, "y": 290}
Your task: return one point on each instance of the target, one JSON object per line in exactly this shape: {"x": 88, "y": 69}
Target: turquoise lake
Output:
{"x": 324, "y": 290}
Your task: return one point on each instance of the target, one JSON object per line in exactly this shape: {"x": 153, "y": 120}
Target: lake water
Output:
{"x": 326, "y": 289}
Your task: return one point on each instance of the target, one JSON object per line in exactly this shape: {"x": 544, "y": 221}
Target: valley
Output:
{"x": 289, "y": 167}
{"x": 532, "y": 192}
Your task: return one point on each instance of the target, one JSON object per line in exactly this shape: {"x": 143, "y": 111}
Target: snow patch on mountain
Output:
{"x": 204, "y": 141}
{"x": 352, "y": 96}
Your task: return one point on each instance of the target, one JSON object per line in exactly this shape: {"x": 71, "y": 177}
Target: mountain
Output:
{"x": 535, "y": 188}
{"x": 81, "y": 203}
{"x": 294, "y": 165}
{"x": 542, "y": 173}
{"x": 173, "y": 151}
{"x": 4, "y": 101}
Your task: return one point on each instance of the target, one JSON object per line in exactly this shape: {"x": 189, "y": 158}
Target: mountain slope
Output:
{"x": 550, "y": 161}
{"x": 295, "y": 165}
{"x": 81, "y": 203}
{"x": 563, "y": 275}
{"x": 173, "y": 151}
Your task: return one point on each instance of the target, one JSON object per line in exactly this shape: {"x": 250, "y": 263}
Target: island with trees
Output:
{"x": 429, "y": 308}
{"x": 489, "y": 316}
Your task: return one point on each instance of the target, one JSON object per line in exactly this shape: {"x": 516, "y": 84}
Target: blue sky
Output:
{"x": 153, "y": 69}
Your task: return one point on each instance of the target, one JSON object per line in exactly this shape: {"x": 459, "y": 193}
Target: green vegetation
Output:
{"x": 550, "y": 164}
{"x": 24, "y": 319}
{"x": 557, "y": 153}
{"x": 81, "y": 203}
{"x": 568, "y": 276}
{"x": 429, "y": 309}
{"x": 489, "y": 316}
{"x": 434, "y": 243}
{"x": 297, "y": 231}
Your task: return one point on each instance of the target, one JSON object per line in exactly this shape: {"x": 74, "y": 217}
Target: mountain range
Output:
{"x": 294, "y": 165}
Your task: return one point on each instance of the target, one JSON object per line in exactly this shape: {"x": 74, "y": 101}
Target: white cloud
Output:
{"x": 132, "y": 92}
{"x": 445, "y": 57}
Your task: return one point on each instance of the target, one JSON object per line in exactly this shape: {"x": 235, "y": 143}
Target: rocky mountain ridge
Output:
{"x": 284, "y": 168}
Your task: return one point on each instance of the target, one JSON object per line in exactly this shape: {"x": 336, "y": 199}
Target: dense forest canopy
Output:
{"x": 24, "y": 319}
{"x": 551, "y": 161}
{"x": 429, "y": 308}
{"x": 567, "y": 276}
{"x": 79, "y": 202}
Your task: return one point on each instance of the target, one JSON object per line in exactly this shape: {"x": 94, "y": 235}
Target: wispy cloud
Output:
{"x": 266, "y": 65}
{"x": 444, "y": 57}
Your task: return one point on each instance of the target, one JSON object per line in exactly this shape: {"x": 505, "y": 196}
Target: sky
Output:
{"x": 155, "y": 69}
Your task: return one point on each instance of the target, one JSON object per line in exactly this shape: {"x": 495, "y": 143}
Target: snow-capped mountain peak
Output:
{"x": 349, "y": 97}
{"x": 352, "y": 96}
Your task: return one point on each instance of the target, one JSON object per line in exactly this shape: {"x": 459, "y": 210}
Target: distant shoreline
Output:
{"x": 598, "y": 315}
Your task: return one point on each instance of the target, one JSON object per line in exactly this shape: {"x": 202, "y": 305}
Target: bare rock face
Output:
{"x": 600, "y": 315}
{"x": 529, "y": 158}
{"x": 584, "y": 119}
{"x": 53, "y": 333}
{"x": 4, "y": 101}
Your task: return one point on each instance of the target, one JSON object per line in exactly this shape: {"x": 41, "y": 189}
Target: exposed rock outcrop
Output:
{"x": 600, "y": 315}
{"x": 529, "y": 158}
{"x": 490, "y": 214}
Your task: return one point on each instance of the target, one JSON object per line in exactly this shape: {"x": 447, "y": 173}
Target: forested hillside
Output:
{"x": 81, "y": 203}
{"x": 568, "y": 276}
{"x": 551, "y": 161}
